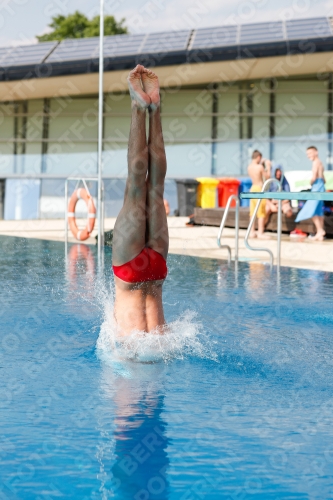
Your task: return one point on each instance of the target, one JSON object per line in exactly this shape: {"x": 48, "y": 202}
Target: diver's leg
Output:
{"x": 157, "y": 236}
{"x": 129, "y": 236}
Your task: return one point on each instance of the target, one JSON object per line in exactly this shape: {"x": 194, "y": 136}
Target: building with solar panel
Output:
{"x": 226, "y": 91}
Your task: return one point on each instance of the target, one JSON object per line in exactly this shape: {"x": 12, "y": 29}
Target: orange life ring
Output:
{"x": 83, "y": 234}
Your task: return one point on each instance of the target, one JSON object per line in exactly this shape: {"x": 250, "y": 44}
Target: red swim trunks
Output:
{"x": 147, "y": 266}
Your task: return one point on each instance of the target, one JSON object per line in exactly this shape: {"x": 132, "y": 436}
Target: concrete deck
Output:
{"x": 197, "y": 241}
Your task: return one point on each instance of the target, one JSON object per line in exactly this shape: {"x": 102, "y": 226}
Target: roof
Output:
{"x": 121, "y": 52}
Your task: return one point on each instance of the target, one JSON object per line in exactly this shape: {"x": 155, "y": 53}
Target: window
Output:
{"x": 300, "y": 120}
{"x": 187, "y": 128}
{"x": 7, "y": 126}
{"x": 72, "y": 132}
{"x": 117, "y": 121}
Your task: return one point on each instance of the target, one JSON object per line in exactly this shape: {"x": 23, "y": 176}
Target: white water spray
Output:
{"x": 183, "y": 338}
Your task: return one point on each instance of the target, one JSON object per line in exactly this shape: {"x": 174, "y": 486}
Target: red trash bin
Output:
{"x": 225, "y": 189}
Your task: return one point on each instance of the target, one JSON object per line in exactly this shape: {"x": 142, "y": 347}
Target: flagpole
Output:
{"x": 100, "y": 214}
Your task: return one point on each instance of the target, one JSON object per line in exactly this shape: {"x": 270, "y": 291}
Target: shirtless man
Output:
{"x": 314, "y": 208}
{"x": 140, "y": 238}
{"x": 258, "y": 174}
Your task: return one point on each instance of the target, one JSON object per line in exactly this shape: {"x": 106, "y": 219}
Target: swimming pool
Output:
{"x": 242, "y": 410}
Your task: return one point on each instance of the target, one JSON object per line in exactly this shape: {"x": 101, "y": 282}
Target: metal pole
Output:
{"x": 257, "y": 249}
{"x": 236, "y": 229}
{"x": 103, "y": 228}
{"x": 279, "y": 231}
{"x": 100, "y": 131}
{"x": 224, "y": 219}
{"x": 66, "y": 218}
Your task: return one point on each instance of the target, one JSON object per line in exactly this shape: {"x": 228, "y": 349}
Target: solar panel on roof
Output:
{"x": 214, "y": 37}
{"x": 30, "y": 54}
{"x": 308, "y": 28}
{"x": 3, "y": 54}
{"x": 261, "y": 32}
{"x": 166, "y": 42}
{"x": 88, "y": 48}
{"x": 130, "y": 45}
{"x": 25, "y": 54}
{"x": 74, "y": 49}
{"x": 121, "y": 45}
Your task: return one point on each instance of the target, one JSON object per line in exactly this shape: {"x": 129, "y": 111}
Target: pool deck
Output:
{"x": 197, "y": 241}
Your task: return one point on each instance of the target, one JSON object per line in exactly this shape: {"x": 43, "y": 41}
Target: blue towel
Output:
{"x": 312, "y": 207}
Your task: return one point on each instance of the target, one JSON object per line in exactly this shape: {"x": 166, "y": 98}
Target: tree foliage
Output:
{"x": 77, "y": 25}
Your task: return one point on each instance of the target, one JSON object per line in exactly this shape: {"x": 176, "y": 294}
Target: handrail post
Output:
{"x": 100, "y": 133}
{"x": 258, "y": 249}
{"x": 237, "y": 229}
{"x": 66, "y": 217}
{"x": 224, "y": 219}
{"x": 279, "y": 231}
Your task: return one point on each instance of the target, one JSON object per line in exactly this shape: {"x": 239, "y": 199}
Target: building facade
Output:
{"x": 220, "y": 101}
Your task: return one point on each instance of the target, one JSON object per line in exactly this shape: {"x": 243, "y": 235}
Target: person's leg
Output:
{"x": 261, "y": 226}
{"x": 157, "y": 236}
{"x": 263, "y": 215}
{"x": 319, "y": 223}
{"x": 286, "y": 208}
{"x": 271, "y": 207}
{"x": 129, "y": 236}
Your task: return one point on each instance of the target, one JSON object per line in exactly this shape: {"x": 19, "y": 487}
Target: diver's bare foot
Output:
{"x": 253, "y": 234}
{"x": 151, "y": 87}
{"x": 138, "y": 96}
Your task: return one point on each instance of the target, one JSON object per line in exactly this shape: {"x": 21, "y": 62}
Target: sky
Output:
{"x": 22, "y": 20}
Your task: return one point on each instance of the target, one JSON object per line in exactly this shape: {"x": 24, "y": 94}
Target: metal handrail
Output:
{"x": 279, "y": 228}
{"x": 224, "y": 219}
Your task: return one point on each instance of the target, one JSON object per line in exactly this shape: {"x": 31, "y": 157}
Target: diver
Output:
{"x": 141, "y": 238}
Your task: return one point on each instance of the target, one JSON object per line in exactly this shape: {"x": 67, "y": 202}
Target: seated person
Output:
{"x": 272, "y": 205}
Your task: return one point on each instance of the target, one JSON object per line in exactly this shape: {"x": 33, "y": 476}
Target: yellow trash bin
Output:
{"x": 206, "y": 197}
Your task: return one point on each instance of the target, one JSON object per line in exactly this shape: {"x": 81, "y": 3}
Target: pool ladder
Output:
{"x": 255, "y": 249}
{"x": 224, "y": 219}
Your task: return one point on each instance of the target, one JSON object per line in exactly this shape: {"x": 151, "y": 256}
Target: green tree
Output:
{"x": 77, "y": 25}
{"x": 111, "y": 27}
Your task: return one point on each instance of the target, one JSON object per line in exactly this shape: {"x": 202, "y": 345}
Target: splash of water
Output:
{"x": 183, "y": 338}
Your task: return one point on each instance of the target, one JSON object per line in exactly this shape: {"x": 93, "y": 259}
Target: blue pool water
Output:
{"x": 242, "y": 409}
